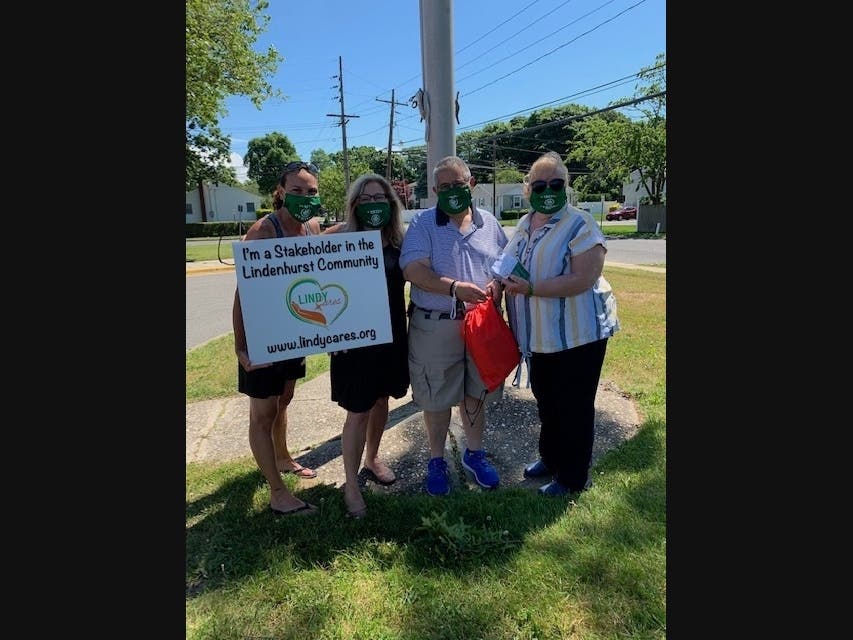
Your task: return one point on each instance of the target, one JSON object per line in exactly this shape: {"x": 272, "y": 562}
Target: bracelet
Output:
{"x": 529, "y": 288}
{"x": 453, "y": 288}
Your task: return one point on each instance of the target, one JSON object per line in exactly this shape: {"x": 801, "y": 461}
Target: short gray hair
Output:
{"x": 454, "y": 162}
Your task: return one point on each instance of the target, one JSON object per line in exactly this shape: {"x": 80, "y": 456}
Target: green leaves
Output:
{"x": 453, "y": 543}
{"x": 221, "y": 62}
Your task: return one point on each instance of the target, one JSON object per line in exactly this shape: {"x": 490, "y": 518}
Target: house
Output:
{"x": 633, "y": 190}
{"x": 221, "y": 203}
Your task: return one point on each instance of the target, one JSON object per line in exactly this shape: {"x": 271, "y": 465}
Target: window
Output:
{"x": 189, "y": 208}
{"x": 516, "y": 202}
{"x": 250, "y": 207}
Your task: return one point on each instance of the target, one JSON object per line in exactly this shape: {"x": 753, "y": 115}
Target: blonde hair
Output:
{"x": 393, "y": 231}
{"x": 548, "y": 160}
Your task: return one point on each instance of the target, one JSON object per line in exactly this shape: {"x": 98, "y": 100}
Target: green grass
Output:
{"x": 212, "y": 369}
{"x": 502, "y": 565}
{"x": 199, "y": 252}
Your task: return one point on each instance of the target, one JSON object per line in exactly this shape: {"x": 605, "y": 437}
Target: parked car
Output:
{"x": 626, "y": 213}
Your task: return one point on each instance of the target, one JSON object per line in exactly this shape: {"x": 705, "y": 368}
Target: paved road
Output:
{"x": 209, "y": 301}
{"x": 210, "y": 296}
{"x": 631, "y": 251}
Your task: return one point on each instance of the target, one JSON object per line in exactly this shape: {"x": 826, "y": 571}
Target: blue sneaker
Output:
{"x": 484, "y": 473}
{"x": 437, "y": 480}
{"x": 555, "y": 488}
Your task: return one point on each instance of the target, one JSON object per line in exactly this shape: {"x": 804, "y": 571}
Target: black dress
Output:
{"x": 361, "y": 376}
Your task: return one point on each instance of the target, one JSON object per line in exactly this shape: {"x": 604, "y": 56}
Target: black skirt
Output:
{"x": 361, "y": 376}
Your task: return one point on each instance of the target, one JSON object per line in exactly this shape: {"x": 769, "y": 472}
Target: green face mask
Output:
{"x": 374, "y": 215}
{"x": 302, "y": 208}
{"x": 548, "y": 201}
{"x": 454, "y": 200}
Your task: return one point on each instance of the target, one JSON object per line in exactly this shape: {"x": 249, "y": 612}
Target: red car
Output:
{"x": 627, "y": 213}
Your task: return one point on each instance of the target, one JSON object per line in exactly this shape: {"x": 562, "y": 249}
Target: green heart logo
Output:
{"x": 308, "y": 302}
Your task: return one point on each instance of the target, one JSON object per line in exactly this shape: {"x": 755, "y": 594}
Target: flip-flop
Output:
{"x": 302, "y": 472}
{"x": 306, "y": 509}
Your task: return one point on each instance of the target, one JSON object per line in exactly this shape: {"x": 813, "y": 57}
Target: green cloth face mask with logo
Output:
{"x": 302, "y": 208}
{"x": 374, "y": 215}
{"x": 454, "y": 200}
{"x": 548, "y": 201}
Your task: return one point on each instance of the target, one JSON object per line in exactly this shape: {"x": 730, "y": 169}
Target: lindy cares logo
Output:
{"x": 308, "y": 302}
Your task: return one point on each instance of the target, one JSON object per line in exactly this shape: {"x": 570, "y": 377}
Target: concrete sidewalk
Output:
{"x": 217, "y": 430}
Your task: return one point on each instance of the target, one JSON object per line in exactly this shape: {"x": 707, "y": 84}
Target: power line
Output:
{"x": 505, "y": 40}
{"x": 568, "y": 119}
{"x": 519, "y": 12}
{"x": 525, "y": 66}
{"x": 585, "y": 92}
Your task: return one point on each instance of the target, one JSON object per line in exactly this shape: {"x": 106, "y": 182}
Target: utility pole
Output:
{"x": 391, "y": 132}
{"x": 495, "y": 211}
{"x": 436, "y": 99}
{"x": 343, "y": 122}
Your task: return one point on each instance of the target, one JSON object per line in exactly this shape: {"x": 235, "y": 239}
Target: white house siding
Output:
{"x": 223, "y": 204}
{"x": 632, "y": 193}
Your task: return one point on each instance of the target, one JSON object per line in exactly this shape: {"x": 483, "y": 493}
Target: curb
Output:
{"x": 201, "y": 268}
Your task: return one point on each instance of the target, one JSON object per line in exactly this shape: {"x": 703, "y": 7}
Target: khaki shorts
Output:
{"x": 441, "y": 371}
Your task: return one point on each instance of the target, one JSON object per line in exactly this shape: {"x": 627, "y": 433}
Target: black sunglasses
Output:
{"x": 292, "y": 167}
{"x": 557, "y": 184}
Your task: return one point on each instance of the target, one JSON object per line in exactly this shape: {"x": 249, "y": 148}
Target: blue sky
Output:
{"x": 511, "y": 57}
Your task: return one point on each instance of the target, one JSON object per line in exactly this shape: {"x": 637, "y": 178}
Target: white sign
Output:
{"x": 312, "y": 294}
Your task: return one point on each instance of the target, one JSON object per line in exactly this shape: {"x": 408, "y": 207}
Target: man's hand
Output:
{"x": 470, "y": 292}
{"x": 494, "y": 289}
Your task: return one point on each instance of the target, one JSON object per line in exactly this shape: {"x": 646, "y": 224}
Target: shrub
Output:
{"x": 513, "y": 214}
{"x": 216, "y": 229}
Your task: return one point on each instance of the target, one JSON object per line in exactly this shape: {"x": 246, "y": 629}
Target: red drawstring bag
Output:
{"x": 491, "y": 343}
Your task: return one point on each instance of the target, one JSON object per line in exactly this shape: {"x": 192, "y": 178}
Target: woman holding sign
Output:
{"x": 362, "y": 379}
{"x": 270, "y": 386}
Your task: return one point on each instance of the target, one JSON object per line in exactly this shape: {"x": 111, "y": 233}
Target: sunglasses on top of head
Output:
{"x": 557, "y": 184}
{"x": 292, "y": 167}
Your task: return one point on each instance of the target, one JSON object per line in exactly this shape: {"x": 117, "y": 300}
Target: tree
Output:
{"x": 370, "y": 157}
{"x": 404, "y": 192}
{"x": 333, "y": 190}
{"x": 601, "y": 144}
{"x": 321, "y": 159}
{"x": 647, "y": 141}
{"x": 206, "y": 153}
{"x": 266, "y": 157}
{"x": 509, "y": 175}
{"x": 414, "y": 170}
{"x": 252, "y": 187}
{"x": 220, "y": 62}
{"x": 616, "y": 147}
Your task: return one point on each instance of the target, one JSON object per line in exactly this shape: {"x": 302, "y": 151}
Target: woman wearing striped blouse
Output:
{"x": 562, "y": 318}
